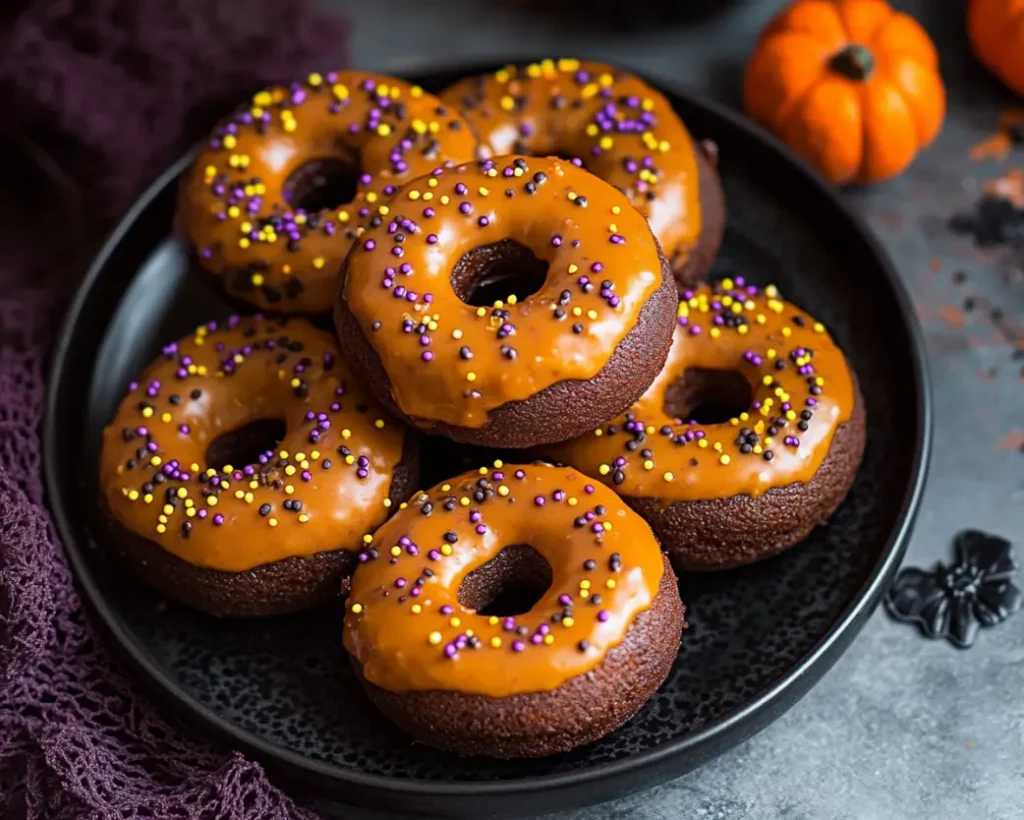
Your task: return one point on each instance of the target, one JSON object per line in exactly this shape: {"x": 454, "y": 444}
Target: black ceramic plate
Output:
{"x": 758, "y": 639}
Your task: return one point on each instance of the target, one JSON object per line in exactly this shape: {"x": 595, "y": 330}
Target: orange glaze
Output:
{"x": 218, "y": 380}
{"x": 233, "y": 207}
{"x": 449, "y": 361}
{"x": 405, "y": 624}
{"x": 679, "y": 461}
{"x": 624, "y": 131}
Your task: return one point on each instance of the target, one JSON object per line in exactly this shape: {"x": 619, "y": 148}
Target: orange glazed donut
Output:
{"x": 277, "y": 531}
{"x": 580, "y": 327}
{"x": 276, "y": 198}
{"x": 514, "y": 612}
{"x": 722, "y": 494}
{"x": 623, "y": 131}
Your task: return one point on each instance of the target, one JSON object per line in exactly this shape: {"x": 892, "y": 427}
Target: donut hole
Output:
{"x": 319, "y": 184}
{"x": 511, "y": 583}
{"x": 708, "y": 396}
{"x": 493, "y": 272}
{"x": 244, "y": 445}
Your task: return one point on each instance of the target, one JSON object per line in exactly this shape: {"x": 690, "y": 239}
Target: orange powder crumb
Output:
{"x": 954, "y": 318}
{"x": 998, "y": 145}
{"x": 1014, "y": 440}
{"x": 1010, "y": 186}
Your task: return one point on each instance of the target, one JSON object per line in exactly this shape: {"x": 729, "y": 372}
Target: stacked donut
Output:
{"x": 517, "y": 264}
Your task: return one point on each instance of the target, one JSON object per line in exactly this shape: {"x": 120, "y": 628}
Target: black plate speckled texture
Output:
{"x": 758, "y": 636}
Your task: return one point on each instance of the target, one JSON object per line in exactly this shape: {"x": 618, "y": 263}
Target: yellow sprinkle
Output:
{"x": 507, "y": 103}
{"x": 379, "y": 424}
{"x": 387, "y": 502}
{"x": 160, "y": 528}
{"x": 496, "y": 642}
{"x": 715, "y": 332}
{"x": 471, "y": 376}
{"x": 702, "y": 443}
{"x": 481, "y": 311}
{"x": 648, "y": 465}
{"x": 668, "y": 476}
{"x": 455, "y": 621}
{"x": 606, "y": 142}
{"x": 133, "y": 495}
{"x": 724, "y": 458}
{"x": 148, "y": 498}
{"x": 819, "y": 327}
{"x": 464, "y": 501}
{"x": 549, "y": 639}
{"x": 607, "y": 525}
{"x": 572, "y": 501}
{"x": 434, "y": 638}
{"x": 445, "y": 199}
{"x": 346, "y": 433}
{"x": 610, "y": 583}
{"x": 512, "y": 299}
{"x": 612, "y": 228}
{"x": 584, "y": 584}
{"x": 446, "y": 549}
{"x": 416, "y": 609}
{"x": 156, "y": 461}
{"x": 396, "y": 550}
{"x": 384, "y": 130}
{"x": 503, "y": 491}
{"x": 147, "y": 412}
{"x": 604, "y": 469}
{"x": 568, "y": 621}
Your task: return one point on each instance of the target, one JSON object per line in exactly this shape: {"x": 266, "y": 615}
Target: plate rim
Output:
{"x": 769, "y": 704}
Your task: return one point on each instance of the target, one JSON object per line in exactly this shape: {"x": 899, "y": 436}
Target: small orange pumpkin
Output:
{"x": 851, "y": 85}
{"x": 996, "y": 29}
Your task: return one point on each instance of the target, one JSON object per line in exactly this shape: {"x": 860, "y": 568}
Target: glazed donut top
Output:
{"x": 323, "y": 487}
{"x": 802, "y": 391}
{"x": 624, "y": 131}
{"x": 408, "y": 629}
{"x": 450, "y": 361}
{"x": 234, "y": 205}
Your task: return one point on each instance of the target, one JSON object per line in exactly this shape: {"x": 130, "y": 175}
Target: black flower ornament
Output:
{"x": 953, "y": 601}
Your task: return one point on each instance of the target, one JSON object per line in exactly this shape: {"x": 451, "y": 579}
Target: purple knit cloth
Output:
{"x": 96, "y": 98}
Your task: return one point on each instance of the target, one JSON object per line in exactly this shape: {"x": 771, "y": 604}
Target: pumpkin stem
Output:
{"x": 853, "y": 62}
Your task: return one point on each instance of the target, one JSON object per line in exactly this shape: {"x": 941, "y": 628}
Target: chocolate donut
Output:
{"x": 515, "y": 612}
{"x": 277, "y": 197}
{"x": 507, "y": 303}
{"x": 750, "y": 437}
{"x": 279, "y": 530}
{"x": 623, "y": 130}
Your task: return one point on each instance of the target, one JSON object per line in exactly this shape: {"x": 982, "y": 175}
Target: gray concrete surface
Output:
{"x": 901, "y": 727}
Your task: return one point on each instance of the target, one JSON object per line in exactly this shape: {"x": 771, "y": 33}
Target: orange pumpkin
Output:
{"x": 851, "y": 85}
{"x": 996, "y": 29}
